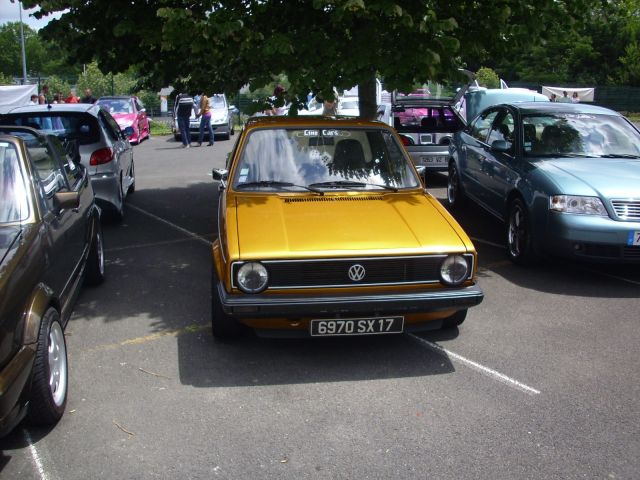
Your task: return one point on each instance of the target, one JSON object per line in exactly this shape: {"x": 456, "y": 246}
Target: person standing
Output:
{"x": 575, "y": 98}
{"x": 183, "y": 109}
{"x": 88, "y": 97}
{"x": 330, "y": 107}
{"x": 564, "y": 98}
{"x": 205, "y": 119}
{"x": 71, "y": 98}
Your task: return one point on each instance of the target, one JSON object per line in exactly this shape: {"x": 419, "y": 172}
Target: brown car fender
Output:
{"x": 40, "y": 300}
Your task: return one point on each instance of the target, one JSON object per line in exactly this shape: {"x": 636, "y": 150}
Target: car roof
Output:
{"x": 53, "y": 107}
{"x": 312, "y": 121}
{"x": 7, "y": 129}
{"x": 116, "y": 97}
{"x": 557, "y": 107}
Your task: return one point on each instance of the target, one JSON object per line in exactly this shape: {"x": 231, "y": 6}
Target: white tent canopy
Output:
{"x": 584, "y": 94}
{"x": 16, "y": 95}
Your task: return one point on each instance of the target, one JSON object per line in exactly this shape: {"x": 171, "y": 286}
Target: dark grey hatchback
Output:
{"x": 50, "y": 241}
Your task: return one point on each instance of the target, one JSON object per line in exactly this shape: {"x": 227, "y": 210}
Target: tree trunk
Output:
{"x": 367, "y": 98}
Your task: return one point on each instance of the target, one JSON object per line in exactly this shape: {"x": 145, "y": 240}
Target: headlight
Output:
{"x": 577, "y": 205}
{"x": 454, "y": 270}
{"x": 218, "y": 120}
{"x": 252, "y": 277}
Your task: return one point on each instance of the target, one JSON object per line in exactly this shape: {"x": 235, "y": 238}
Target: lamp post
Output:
{"x": 24, "y": 55}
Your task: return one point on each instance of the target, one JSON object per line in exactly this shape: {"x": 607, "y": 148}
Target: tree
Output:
{"x": 486, "y": 77}
{"x": 319, "y": 44}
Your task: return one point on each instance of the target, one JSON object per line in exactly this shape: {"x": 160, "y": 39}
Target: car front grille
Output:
{"x": 628, "y": 210}
{"x": 610, "y": 251}
{"x": 319, "y": 273}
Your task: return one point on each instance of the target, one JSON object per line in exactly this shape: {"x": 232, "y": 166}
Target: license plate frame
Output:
{"x": 339, "y": 327}
{"x": 439, "y": 160}
{"x": 634, "y": 239}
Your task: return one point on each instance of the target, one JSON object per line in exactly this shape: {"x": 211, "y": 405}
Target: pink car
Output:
{"x": 128, "y": 112}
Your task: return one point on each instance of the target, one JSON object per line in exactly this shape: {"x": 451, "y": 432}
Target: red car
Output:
{"x": 128, "y": 112}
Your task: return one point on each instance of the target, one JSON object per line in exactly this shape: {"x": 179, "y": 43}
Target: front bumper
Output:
{"x": 343, "y": 306}
{"x": 590, "y": 238}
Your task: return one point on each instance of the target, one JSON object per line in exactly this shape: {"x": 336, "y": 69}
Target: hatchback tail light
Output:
{"x": 101, "y": 156}
{"x": 406, "y": 140}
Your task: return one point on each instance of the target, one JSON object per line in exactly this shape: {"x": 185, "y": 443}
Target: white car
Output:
{"x": 221, "y": 119}
{"x": 348, "y": 106}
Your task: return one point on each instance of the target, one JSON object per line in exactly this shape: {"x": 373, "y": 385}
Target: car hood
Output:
{"x": 124, "y": 118}
{"x": 272, "y": 226}
{"x": 606, "y": 177}
{"x": 8, "y": 237}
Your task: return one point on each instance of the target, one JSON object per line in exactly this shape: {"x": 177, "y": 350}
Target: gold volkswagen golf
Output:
{"x": 325, "y": 229}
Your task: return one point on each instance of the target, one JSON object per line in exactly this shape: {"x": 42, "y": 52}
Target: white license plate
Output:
{"x": 634, "y": 238}
{"x": 357, "y": 326}
{"x": 435, "y": 160}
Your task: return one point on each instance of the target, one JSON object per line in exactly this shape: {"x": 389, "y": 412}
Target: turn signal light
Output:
{"x": 101, "y": 156}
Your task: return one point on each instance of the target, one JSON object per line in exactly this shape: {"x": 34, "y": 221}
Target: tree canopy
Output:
{"x": 318, "y": 44}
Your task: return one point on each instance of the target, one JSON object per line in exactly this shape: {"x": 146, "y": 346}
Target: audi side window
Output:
{"x": 503, "y": 130}
{"x": 482, "y": 126}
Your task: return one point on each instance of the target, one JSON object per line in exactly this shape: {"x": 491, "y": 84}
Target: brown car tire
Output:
{"x": 49, "y": 384}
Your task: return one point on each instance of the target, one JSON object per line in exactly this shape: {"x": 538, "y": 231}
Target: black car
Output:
{"x": 50, "y": 242}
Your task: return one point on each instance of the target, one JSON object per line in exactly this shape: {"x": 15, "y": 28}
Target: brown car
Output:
{"x": 50, "y": 241}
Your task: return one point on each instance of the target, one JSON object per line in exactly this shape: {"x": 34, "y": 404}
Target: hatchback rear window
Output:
{"x": 81, "y": 127}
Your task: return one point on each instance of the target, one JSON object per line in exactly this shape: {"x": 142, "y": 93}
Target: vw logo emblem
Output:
{"x": 356, "y": 272}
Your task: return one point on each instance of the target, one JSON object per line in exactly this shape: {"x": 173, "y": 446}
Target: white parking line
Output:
{"x": 167, "y": 222}
{"x": 35, "y": 456}
{"x": 500, "y": 377}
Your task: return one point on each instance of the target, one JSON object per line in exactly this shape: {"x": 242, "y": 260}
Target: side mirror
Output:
{"x": 66, "y": 200}
{"x": 220, "y": 175}
{"x": 421, "y": 169}
{"x": 500, "y": 146}
{"x": 143, "y": 109}
{"x": 128, "y": 131}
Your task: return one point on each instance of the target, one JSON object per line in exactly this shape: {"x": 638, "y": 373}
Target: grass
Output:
{"x": 158, "y": 127}
{"x": 633, "y": 116}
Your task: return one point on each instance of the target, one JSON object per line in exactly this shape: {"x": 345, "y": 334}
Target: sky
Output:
{"x": 10, "y": 12}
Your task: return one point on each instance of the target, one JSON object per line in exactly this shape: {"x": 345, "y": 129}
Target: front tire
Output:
{"x": 48, "y": 397}
{"x": 223, "y": 327}
{"x": 455, "y": 195}
{"x": 454, "y": 320}
{"x": 519, "y": 237}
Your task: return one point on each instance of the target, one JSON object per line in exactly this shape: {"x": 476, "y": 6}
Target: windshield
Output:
{"x": 579, "y": 134}
{"x": 116, "y": 106}
{"x": 14, "y": 204}
{"x": 349, "y": 104}
{"x": 217, "y": 101}
{"x": 322, "y": 158}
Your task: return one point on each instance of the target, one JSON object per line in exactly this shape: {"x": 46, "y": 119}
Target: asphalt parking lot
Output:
{"x": 541, "y": 381}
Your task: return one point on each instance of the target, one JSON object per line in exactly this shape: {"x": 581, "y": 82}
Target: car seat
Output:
{"x": 429, "y": 123}
{"x": 349, "y": 155}
{"x": 551, "y": 140}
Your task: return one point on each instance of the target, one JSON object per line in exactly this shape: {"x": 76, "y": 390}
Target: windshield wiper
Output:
{"x": 276, "y": 183}
{"x": 618, "y": 155}
{"x": 346, "y": 183}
